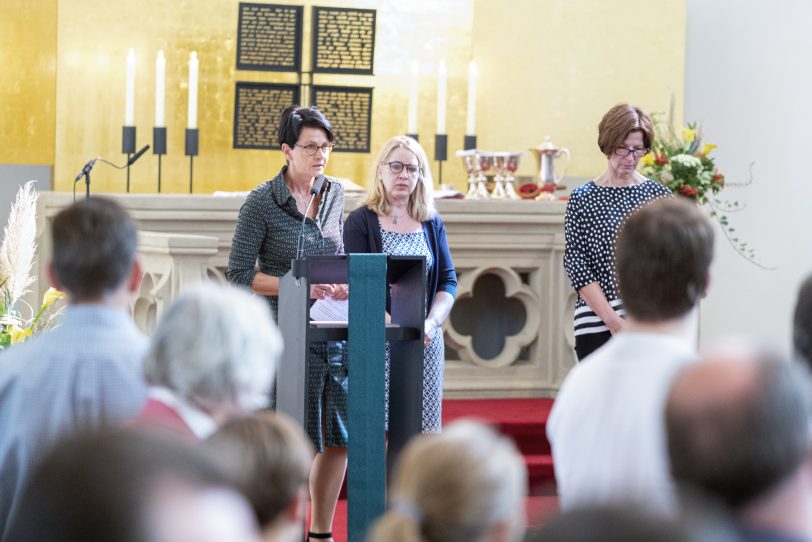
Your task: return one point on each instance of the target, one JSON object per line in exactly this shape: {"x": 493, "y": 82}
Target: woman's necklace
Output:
{"x": 395, "y": 217}
{"x": 300, "y": 198}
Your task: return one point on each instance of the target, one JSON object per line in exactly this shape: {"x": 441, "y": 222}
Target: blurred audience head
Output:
{"x": 738, "y": 424}
{"x": 626, "y": 523}
{"x": 663, "y": 256}
{"x": 802, "y": 323}
{"x": 467, "y": 483}
{"x": 268, "y": 457}
{"x": 216, "y": 347}
{"x": 131, "y": 486}
{"x": 95, "y": 244}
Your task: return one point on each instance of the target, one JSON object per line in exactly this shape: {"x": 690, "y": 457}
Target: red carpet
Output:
{"x": 524, "y": 420}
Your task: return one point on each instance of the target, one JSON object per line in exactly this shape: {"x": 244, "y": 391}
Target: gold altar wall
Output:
{"x": 27, "y": 81}
{"x": 554, "y": 67}
{"x": 546, "y": 67}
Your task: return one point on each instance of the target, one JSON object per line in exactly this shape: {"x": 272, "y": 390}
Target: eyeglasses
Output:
{"x": 311, "y": 148}
{"x": 638, "y": 153}
{"x": 397, "y": 167}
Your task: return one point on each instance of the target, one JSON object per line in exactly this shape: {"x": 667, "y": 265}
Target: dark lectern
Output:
{"x": 367, "y": 276}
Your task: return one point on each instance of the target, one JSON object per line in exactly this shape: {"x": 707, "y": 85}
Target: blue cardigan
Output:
{"x": 362, "y": 233}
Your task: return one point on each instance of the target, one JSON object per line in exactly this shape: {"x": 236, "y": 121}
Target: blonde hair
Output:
{"x": 421, "y": 201}
{"x": 455, "y": 486}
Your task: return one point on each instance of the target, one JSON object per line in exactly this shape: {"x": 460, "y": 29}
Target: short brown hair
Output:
{"x": 268, "y": 457}
{"x": 619, "y": 122}
{"x": 95, "y": 243}
{"x": 662, "y": 255}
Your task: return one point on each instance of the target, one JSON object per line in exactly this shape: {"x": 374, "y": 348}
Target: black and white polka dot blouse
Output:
{"x": 591, "y": 223}
{"x": 268, "y": 228}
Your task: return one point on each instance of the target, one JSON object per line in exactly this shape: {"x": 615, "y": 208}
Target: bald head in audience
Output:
{"x": 738, "y": 426}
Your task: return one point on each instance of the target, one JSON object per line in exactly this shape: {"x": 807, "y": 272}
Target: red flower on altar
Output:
{"x": 660, "y": 159}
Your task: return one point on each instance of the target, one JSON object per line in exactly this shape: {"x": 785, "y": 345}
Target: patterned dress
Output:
{"x": 415, "y": 244}
{"x": 268, "y": 228}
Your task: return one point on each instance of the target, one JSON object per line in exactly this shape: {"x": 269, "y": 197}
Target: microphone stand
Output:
{"x": 89, "y": 166}
{"x": 297, "y": 266}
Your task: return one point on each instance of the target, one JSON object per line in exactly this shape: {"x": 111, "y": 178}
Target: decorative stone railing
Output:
{"x": 171, "y": 263}
{"x": 509, "y": 334}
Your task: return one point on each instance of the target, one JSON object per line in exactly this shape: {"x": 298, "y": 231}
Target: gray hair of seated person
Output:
{"x": 456, "y": 486}
{"x": 215, "y": 346}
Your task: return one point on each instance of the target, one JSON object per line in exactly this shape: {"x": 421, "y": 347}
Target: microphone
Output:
{"x": 318, "y": 184}
{"x": 137, "y": 155}
{"x": 316, "y": 189}
{"x": 85, "y": 170}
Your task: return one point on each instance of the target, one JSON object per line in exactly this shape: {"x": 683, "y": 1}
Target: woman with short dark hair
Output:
{"x": 595, "y": 212}
{"x": 267, "y": 233}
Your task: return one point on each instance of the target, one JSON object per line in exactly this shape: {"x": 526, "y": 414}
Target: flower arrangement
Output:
{"x": 685, "y": 166}
{"x": 16, "y": 259}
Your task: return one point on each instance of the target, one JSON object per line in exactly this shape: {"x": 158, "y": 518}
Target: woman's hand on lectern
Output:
{"x": 320, "y": 291}
{"x": 431, "y": 327}
{"x": 340, "y": 292}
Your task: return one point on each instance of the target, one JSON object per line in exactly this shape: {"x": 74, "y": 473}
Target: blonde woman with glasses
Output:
{"x": 397, "y": 217}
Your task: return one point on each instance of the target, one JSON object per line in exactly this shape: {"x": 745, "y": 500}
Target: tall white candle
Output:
{"x": 192, "y": 112}
{"x": 470, "y": 124}
{"x": 442, "y": 75}
{"x": 129, "y": 92}
{"x": 411, "y": 124}
{"x": 160, "y": 89}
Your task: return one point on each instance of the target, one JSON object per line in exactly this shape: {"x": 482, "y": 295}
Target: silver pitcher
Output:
{"x": 546, "y": 155}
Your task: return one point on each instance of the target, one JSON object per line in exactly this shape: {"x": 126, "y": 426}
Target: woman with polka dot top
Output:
{"x": 595, "y": 212}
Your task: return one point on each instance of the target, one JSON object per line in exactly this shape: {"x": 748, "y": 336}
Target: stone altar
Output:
{"x": 509, "y": 334}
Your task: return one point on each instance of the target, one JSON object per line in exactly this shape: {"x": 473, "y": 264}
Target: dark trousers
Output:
{"x": 588, "y": 343}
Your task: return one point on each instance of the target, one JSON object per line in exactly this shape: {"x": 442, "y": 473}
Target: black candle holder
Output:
{"x": 128, "y": 147}
{"x": 413, "y": 136}
{"x": 159, "y": 148}
{"x": 440, "y": 153}
{"x": 191, "y": 152}
{"x": 469, "y": 142}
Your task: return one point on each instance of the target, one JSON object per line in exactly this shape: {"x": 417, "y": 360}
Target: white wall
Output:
{"x": 749, "y": 82}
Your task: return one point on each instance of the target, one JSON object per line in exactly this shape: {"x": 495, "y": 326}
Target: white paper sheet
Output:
{"x": 330, "y": 310}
